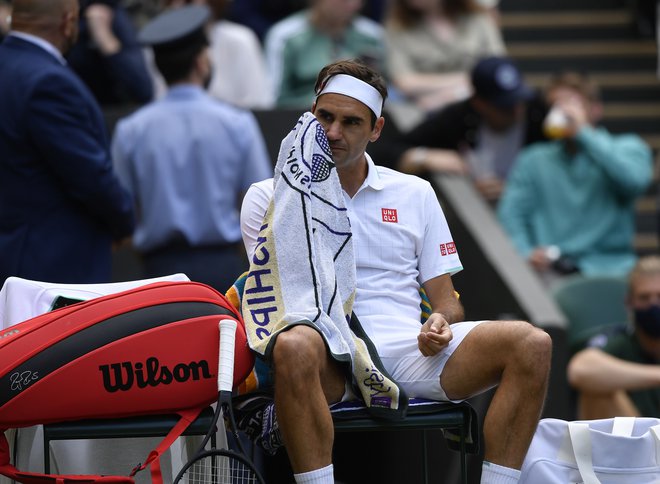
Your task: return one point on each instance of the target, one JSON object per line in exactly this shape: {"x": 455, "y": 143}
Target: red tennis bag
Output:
{"x": 149, "y": 350}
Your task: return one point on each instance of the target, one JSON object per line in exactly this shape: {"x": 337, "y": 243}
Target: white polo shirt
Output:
{"x": 401, "y": 240}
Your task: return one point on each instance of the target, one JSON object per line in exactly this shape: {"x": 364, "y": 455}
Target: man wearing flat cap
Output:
{"x": 187, "y": 159}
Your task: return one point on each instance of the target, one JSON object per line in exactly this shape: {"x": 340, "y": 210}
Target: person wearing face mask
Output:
{"x": 187, "y": 158}
{"x": 569, "y": 204}
{"x": 622, "y": 377}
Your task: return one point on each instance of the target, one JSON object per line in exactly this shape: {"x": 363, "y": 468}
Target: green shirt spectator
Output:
{"x": 577, "y": 194}
{"x": 627, "y": 347}
{"x": 298, "y": 46}
{"x": 621, "y": 376}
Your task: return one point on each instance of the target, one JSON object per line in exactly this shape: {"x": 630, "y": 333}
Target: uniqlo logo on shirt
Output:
{"x": 389, "y": 215}
{"x": 448, "y": 248}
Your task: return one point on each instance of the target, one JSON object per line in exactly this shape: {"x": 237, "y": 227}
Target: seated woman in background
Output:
{"x": 433, "y": 44}
{"x": 298, "y": 46}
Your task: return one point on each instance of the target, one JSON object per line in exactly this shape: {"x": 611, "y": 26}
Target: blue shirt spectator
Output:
{"x": 187, "y": 159}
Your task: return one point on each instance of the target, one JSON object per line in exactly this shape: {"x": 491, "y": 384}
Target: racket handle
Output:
{"x": 226, "y": 356}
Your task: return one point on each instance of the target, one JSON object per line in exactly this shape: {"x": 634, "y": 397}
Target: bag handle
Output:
{"x": 153, "y": 459}
{"x": 188, "y": 416}
{"x": 581, "y": 442}
{"x": 623, "y": 426}
{"x": 9, "y": 470}
{"x": 655, "y": 430}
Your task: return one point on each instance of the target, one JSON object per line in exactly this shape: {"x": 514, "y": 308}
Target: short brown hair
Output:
{"x": 646, "y": 266}
{"x": 353, "y": 68}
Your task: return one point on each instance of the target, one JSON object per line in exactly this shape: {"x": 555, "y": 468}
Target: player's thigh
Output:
{"x": 477, "y": 363}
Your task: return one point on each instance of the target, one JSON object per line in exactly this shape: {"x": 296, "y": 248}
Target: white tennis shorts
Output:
{"x": 419, "y": 376}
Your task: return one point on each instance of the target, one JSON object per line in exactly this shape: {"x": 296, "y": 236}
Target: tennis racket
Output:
{"x": 221, "y": 466}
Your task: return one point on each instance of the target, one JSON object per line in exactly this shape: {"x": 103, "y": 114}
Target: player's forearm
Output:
{"x": 444, "y": 299}
{"x": 451, "y": 310}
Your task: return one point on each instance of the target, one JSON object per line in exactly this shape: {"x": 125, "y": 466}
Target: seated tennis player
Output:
{"x": 334, "y": 235}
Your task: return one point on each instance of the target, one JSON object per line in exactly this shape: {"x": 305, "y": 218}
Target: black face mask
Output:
{"x": 648, "y": 320}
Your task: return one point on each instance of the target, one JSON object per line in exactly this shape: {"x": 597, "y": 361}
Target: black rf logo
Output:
{"x": 376, "y": 383}
{"x": 123, "y": 376}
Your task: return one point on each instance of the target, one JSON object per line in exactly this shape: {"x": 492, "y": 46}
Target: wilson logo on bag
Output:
{"x": 122, "y": 376}
{"x": 148, "y": 350}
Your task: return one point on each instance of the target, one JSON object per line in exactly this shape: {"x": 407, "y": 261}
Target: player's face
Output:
{"x": 347, "y": 124}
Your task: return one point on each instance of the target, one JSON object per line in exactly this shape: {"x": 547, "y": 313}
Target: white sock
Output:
{"x": 324, "y": 475}
{"x": 494, "y": 474}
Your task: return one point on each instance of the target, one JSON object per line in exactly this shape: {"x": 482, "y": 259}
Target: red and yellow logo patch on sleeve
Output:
{"x": 448, "y": 248}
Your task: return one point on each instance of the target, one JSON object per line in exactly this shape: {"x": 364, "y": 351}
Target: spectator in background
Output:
{"x": 298, "y": 47}
{"x": 479, "y": 136}
{"x": 260, "y": 15}
{"x": 108, "y": 57}
{"x": 622, "y": 377}
{"x": 239, "y": 75}
{"x": 431, "y": 47}
{"x": 61, "y": 206}
{"x": 569, "y": 204}
{"x": 187, "y": 158}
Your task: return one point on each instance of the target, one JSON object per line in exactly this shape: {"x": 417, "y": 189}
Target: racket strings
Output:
{"x": 219, "y": 469}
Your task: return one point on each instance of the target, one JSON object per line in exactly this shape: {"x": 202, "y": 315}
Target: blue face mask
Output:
{"x": 648, "y": 320}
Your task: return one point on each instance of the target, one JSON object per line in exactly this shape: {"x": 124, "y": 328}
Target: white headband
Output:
{"x": 355, "y": 88}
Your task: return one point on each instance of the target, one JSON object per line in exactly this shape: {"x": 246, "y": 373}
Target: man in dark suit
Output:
{"x": 61, "y": 206}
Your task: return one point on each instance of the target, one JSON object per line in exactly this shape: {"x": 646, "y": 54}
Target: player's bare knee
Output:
{"x": 535, "y": 350}
{"x": 297, "y": 351}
